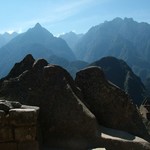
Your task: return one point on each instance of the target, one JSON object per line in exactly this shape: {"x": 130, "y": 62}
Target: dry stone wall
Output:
{"x": 18, "y": 126}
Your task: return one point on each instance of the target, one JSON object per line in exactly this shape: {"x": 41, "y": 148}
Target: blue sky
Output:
{"x": 61, "y": 16}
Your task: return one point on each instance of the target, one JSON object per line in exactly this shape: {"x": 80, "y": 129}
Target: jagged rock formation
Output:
{"x": 111, "y": 106}
{"x": 118, "y": 72}
{"x": 62, "y": 114}
{"x": 18, "y": 126}
{"x": 19, "y": 68}
{"x": 64, "y": 119}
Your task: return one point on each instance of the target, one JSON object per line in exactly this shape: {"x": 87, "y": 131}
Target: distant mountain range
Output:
{"x": 36, "y": 41}
{"x": 71, "y": 38}
{"x": 125, "y": 39}
{"x": 97, "y": 107}
{"x": 6, "y": 37}
{"x": 122, "y": 38}
{"x": 71, "y": 66}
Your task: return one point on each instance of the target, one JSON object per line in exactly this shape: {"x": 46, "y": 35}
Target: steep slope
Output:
{"x": 119, "y": 73}
{"x": 122, "y": 38}
{"x": 147, "y": 85}
{"x": 64, "y": 120}
{"x": 71, "y": 38}
{"x": 6, "y": 37}
{"x": 37, "y": 41}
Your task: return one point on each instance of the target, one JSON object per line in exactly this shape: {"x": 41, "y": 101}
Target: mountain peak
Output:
{"x": 128, "y": 19}
{"x": 118, "y": 19}
{"x": 39, "y": 31}
{"x": 37, "y": 26}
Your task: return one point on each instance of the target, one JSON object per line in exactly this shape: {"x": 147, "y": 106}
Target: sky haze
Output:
{"x": 61, "y": 16}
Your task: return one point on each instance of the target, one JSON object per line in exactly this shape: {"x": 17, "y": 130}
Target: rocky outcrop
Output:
{"x": 111, "y": 106}
{"x": 20, "y": 67}
{"x": 65, "y": 122}
{"x": 18, "y": 126}
{"x": 63, "y": 116}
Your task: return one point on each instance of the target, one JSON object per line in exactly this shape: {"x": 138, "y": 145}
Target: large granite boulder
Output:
{"x": 111, "y": 106}
{"x": 64, "y": 119}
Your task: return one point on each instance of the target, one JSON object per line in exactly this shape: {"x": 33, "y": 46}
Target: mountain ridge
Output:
{"x": 6, "y": 37}
{"x": 71, "y": 38}
{"x": 122, "y": 38}
{"x": 120, "y": 74}
{"x": 37, "y": 41}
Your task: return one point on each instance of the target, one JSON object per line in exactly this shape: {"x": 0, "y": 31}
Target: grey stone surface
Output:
{"x": 23, "y": 117}
{"x": 8, "y": 146}
{"x": 27, "y": 133}
{"x": 6, "y": 134}
{"x": 28, "y": 145}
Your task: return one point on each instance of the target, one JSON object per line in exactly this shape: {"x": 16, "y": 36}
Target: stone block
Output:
{"x": 28, "y": 145}
{"x": 6, "y": 134}
{"x": 8, "y": 146}
{"x": 25, "y": 133}
{"x": 99, "y": 149}
{"x": 30, "y": 107}
{"x": 23, "y": 117}
{"x": 2, "y": 117}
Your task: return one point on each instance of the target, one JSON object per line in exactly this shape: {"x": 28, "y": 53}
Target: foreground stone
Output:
{"x": 111, "y": 106}
{"x": 62, "y": 115}
{"x": 65, "y": 122}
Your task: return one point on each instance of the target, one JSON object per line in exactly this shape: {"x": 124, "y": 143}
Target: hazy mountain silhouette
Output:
{"x": 71, "y": 66}
{"x": 36, "y": 41}
{"x": 6, "y": 37}
{"x": 71, "y": 38}
{"x": 119, "y": 73}
{"x": 122, "y": 38}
